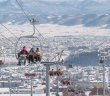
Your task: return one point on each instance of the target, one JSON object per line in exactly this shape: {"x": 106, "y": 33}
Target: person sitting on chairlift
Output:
{"x": 31, "y": 56}
{"x": 22, "y": 55}
{"x": 37, "y": 55}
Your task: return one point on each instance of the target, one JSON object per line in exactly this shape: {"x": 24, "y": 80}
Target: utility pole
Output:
{"x": 31, "y": 87}
{"x": 104, "y": 79}
{"x": 31, "y": 76}
{"x": 47, "y": 80}
{"x": 48, "y": 64}
{"x": 102, "y": 59}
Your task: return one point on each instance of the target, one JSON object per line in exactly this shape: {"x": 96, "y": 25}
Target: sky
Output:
{"x": 77, "y": 0}
{"x": 65, "y": 0}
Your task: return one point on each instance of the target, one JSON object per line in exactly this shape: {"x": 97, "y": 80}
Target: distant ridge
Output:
{"x": 90, "y": 13}
{"x": 88, "y": 20}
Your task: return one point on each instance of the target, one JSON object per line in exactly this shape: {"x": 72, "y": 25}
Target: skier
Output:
{"x": 22, "y": 55}
{"x": 37, "y": 55}
{"x": 31, "y": 56}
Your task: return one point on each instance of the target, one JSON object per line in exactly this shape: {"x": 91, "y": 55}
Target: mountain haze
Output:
{"x": 62, "y": 12}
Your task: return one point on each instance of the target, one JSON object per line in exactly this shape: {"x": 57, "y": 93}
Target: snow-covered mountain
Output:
{"x": 63, "y": 12}
{"x": 56, "y": 6}
{"x": 87, "y": 20}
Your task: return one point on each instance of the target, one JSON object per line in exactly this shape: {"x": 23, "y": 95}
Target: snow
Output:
{"x": 51, "y": 30}
{"x": 4, "y": 90}
{"x": 10, "y": 59}
{"x": 25, "y": 94}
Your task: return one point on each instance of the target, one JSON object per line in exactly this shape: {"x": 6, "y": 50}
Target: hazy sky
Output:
{"x": 78, "y": 0}
{"x": 100, "y": 1}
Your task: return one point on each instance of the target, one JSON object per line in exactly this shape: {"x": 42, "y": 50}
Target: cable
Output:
{"x": 23, "y": 10}
{"x": 50, "y": 47}
{"x": 7, "y": 38}
{"x": 29, "y": 18}
{"x": 8, "y": 30}
{"x": 29, "y": 21}
{"x": 37, "y": 29}
{"x": 4, "y": 42}
{"x": 25, "y": 13}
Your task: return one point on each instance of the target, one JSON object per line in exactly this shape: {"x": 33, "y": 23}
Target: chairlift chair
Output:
{"x": 29, "y": 42}
{"x": 2, "y": 57}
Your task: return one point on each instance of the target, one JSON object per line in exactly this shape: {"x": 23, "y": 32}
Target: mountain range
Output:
{"x": 63, "y": 12}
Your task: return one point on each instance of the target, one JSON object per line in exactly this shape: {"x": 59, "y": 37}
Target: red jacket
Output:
{"x": 23, "y": 51}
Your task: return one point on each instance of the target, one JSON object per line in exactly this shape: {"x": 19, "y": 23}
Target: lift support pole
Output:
{"x": 47, "y": 80}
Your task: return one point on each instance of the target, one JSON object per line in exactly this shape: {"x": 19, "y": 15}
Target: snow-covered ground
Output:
{"x": 26, "y": 95}
{"x": 50, "y": 30}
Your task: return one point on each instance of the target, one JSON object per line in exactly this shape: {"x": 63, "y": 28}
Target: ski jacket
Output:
{"x": 24, "y": 51}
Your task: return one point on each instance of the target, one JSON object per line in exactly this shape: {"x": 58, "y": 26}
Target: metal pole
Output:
{"x": 10, "y": 82}
{"x": 57, "y": 93}
{"x": 31, "y": 87}
{"x": 33, "y": 23}
{"x": 59, "y": 57}
{"x": 97, "y": 79}
{"x": 103, "y": 56}
{"x": 10, "y": 87}
{"x": 47, "y": 80}
{"x": 103, "y": 79}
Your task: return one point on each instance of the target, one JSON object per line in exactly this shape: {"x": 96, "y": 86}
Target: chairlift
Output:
{"x": 28, "y": 41}
{"x": 65, "y": 81}
{"x": 31, "y": 43}
{"x": 56, "y": 72}
{"x": 31, "y": 75}
{"x": 101, "y": 61}
{"x": 2, "y": 56}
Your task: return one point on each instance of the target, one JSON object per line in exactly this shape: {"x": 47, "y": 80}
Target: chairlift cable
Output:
{"x": 23, "y": 10}
{"x": 7, "y": 38}
{"x": 8, "y": 30}
{"x": 36, "y": 28}
{"x": 3, "y": 41}
{"x": 29, "y": 18}
{"x": 29, "y": 21}
{"x": 26, "y": 14}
